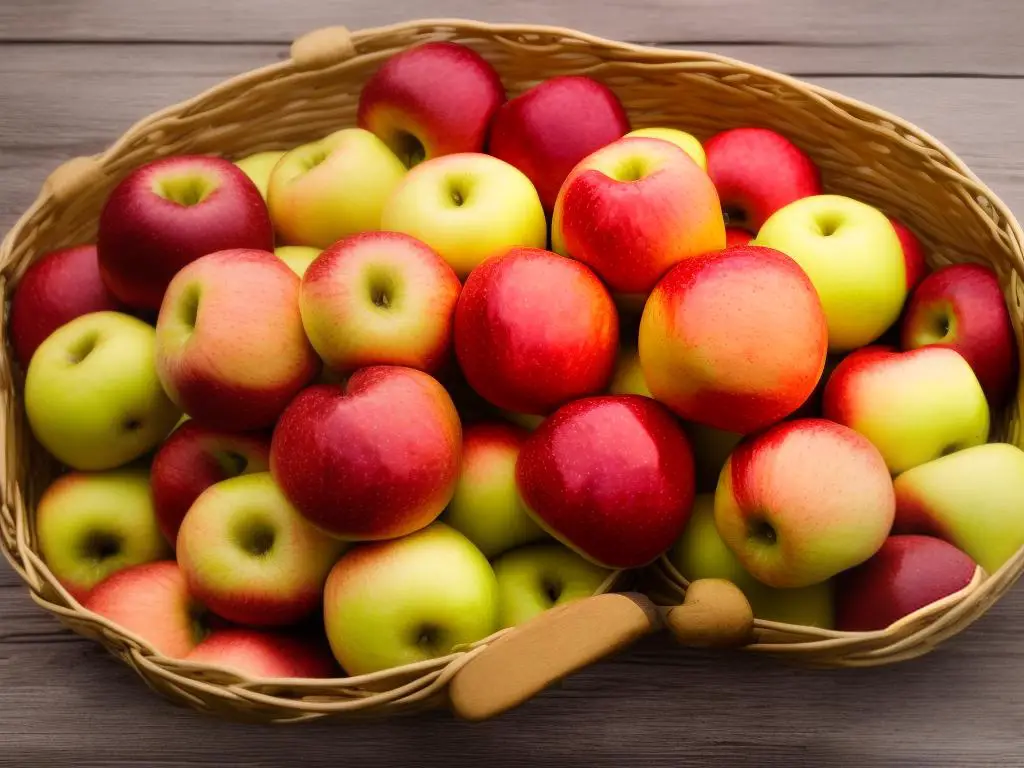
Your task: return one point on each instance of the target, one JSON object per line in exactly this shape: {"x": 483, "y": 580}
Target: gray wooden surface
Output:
{"x": 75, "y": 73}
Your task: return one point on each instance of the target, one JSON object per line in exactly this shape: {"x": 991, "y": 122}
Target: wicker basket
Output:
{"x": 861, "y": 151}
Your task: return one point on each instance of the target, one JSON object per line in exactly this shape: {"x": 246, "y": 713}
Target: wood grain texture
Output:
{"x": 65, "y": 704}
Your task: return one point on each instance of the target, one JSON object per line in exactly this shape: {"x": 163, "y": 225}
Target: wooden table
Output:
{"x": 75, "y": 73}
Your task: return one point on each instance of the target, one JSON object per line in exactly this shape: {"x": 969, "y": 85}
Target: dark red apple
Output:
{"x": 913, "y": 254}
{"x": 170, "y": 212}
{"x": 611, "y": 477}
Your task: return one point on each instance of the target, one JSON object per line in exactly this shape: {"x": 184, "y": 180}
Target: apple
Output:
{"x": 628, "y": 376}
{"x": 170, "y": 212}
{"x": 802, "y": 501}
{"x": 970, "y": 498}
{"x": 711, "y": 449}
{"x": 380, "y": 298}
{"x": 735, "y": 339}
{"x": 913, "y": 254}
{"x": 611, "y": 477}
{"x": 485, "y": 507}
{"x": 195, "y": 457}
{"x": 259, "y": 653}
{"x": 538, "y": 577}
{"x": 399, "y": 602}
{"x": 687, "y": 142}
{"x": 152, "y": 602}
{"x": 905, "y": 575}
{"x": 93, "y": 524}
{"x": 700, "y": 553}
{"x": 375, "y": 458}
{"x": 852, "y": 255}
{"x": 633, "y": 210}
{"x": 737, "y": 236}
{"x": 914, "y": 406}
{"x": 258, "y": 168}
{"x": 297, "y": 257}
{"x": 92, "y": 394}
{"x": 534, "y": 330}
{"x": 528, "y": 421}
{"x": 547, "y": 130}
{"x": 962, "y": 307}
{"x": 332, "y": 188}
{"x": 467, "y": 207}
{"x": 431, "y": 100}
{"x": 758, "y": 171}
{"x": 231, "y": 350}
{"x": 250, "y": 556}
{"x": 54, "y": 290}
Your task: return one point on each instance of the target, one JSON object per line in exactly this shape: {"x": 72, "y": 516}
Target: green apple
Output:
{"x": 93, "y": 524}
{"x": 467, "y": 207}
{"x": 538, "y": 577}
{"x": 258, "y": 168}
{"x": 297, "y": 257}
{"x": 92, "y": 393}
{"x": 411, "y": 599}
{"x": 700, "y": 553}
{"x": 687, "y": 142}
{"x": 854, "y": 259}
{"x": 486, "y": 507}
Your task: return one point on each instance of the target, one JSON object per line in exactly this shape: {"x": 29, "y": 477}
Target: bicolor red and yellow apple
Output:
{"x": 264, "y": 654}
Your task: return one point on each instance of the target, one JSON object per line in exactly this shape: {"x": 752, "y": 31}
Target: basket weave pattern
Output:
{"x": 861, "y": 151}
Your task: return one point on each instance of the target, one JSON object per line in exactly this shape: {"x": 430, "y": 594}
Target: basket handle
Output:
{"x": 563, "y": 640}
{"x": 323, "y": 48}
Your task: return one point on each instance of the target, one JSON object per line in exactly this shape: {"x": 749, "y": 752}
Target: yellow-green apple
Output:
{"x": 687, "y": 142}
{"x": 970, "y": 498}
{"x": 250, "y": 557}
{"x": 92, "y": 393}
{"x": 913, "y": 254}
{"x": 737, "y": 236}
{"x": 914, "y": 406}
{"x": 375, "y": 458}
{"x": 231, "y": 350}
{"x": 258, "y": 168}
{"x": 398, "y": 602}
{"x": 758, "y": 171}
{"x": 261, "y": 653}
{"x": 852, "y": 255}
{"x": 803, "y": 501}
{"x": 195, "y": 457}
{"x": 530, "y": 131}
{"x": 486, "y": 507}
{"x": 534, "y": 330}
{"x": 609, "y": 476}
{"x": 700, "y": 553}
{"x": 538, "y": 577}
{"x": 634, "y": 209}
{"x": 703, "y": 338}
{"x": 908, "y": 573}
{"x": 380, "y": 298}
{"x": 53, "y": 291}
{"x": 297, "y": 257}
{"x": 152, "y": 602}
{"x": 332, "y": 188}
{"x": 628, "y": 377}
{"x": 962, "y": 307}
{"x": 467, "y": 207}
{"x": 432, "y": 100}
{"x": 170, "y": 212}
{"x": 711, "y": 449}
{"x": 93, "y": 524}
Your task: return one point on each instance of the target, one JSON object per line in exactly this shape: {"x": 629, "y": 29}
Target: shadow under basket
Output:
{"x": 861, "y": 151}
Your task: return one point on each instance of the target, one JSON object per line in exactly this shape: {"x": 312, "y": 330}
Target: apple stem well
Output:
{"x": 409, "y": 149}
{"x": 189, "y": 306}
{"x": 101, "y": 545}
{"x": 256, "y": 538}
{"x": 184, "y": 190}
{"x": 763, "y": 531}
{"x": 83, "y": 347}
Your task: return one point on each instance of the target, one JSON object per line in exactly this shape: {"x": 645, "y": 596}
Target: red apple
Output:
{"x": 374, "y": 459}
{"x": 534, "y": 330}
{"x": 737, "y": 236}
{"x": 432, "y": 100}
{"x": 758, "y": 171}
{"x": 546, "y": 131}
{"x": 170, "y": 212}
{"x": 56, "y": 289}
{"x": 906, "y": 574}
{"x": 962, "y": 307}
{"x": 257, "y": 653}
{"x": 611, "y": 477}
{"x": 913, "y": 254}
{"x": 195, "y": 457}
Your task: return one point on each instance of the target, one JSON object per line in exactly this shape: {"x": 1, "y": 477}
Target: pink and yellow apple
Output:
{"x": 687, "y": 142}
{"x": 258, "y": 168}
{"x": 803, "y": 501}
{"x": 534, "y": 330}
{"x": 261, "y": 654}
{"x": 735, "y": 339}
{"x": 297, "y": 257}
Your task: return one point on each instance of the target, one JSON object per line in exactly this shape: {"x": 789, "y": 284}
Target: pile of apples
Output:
{"x": 414, "y": 421}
